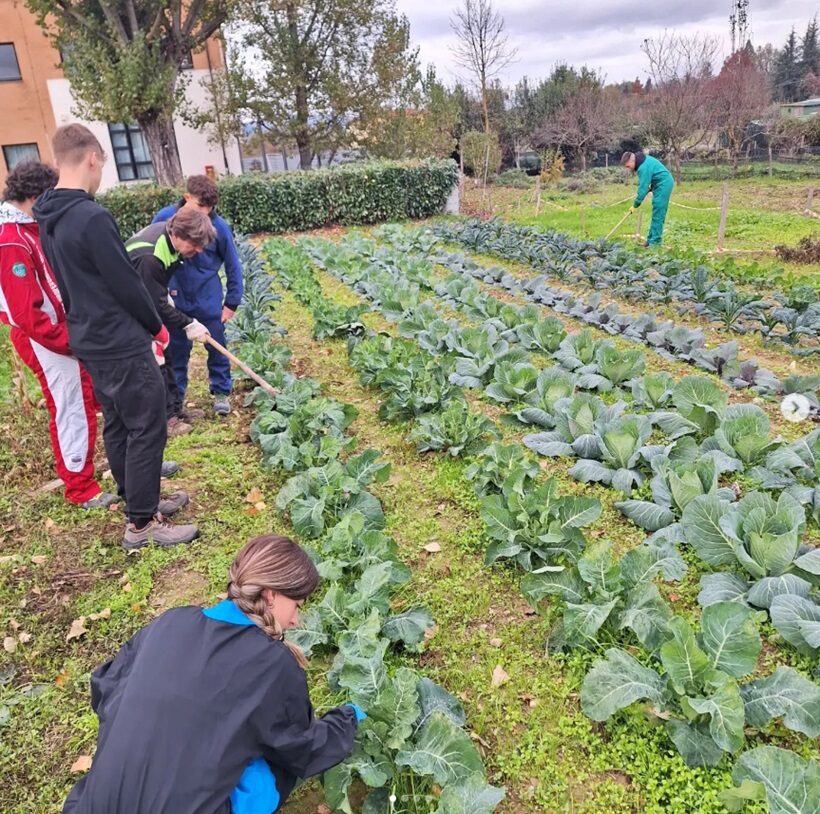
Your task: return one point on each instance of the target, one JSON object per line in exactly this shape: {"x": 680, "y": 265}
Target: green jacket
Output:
{"x": 652, "y": 175}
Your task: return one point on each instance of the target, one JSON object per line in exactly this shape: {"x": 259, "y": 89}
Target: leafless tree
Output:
{"x": 680, "y": 115}
{"x": 585, "y": 119}
{"x": 483, "y": 47}
{"x": 740, "y": 95}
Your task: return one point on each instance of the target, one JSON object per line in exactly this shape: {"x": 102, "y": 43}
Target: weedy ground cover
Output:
{"x": 685, "y": 730}
{"x": 428, "y": 564}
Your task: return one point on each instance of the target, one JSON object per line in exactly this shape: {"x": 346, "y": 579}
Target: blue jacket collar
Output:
{"x": 227, "y": 611}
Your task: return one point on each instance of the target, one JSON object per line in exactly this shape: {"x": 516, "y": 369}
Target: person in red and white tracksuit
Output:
{"x": 30, "y": 304}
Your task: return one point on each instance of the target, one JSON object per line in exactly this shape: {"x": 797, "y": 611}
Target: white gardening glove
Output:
{"x": 196, "y": 331}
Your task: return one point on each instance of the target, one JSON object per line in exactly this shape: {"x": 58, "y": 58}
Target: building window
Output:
{"x": 9, "y": 67}
{"x": 15, "y": 153}
{"x": 131, "y": 152}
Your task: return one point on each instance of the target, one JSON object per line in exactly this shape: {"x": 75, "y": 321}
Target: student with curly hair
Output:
{"x": 31, "y": 305}
{"x": 206, "y": 711}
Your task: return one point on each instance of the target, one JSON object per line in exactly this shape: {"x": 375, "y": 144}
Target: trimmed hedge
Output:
{"x": 371, "y": 192}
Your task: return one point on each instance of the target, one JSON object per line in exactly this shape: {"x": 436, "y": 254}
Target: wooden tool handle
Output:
{"x": 209, "y": 340}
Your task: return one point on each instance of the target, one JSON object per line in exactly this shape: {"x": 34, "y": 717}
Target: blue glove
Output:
{"x": 360, "y": 713}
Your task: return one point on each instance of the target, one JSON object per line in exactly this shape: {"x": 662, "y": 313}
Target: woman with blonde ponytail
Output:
{"x": 206, "y": 711}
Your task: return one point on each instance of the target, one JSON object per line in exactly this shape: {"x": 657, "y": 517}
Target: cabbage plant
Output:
{"x": 552, "y": 385}
{"x": 676, "y": 482}
{"x": 743, "y": 435}
{"x": 621, "y": 449}
{"x": 577, "y": 421}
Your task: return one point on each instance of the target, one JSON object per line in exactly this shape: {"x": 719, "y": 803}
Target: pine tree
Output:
{"x": 809, "y": 51}
{"x": 787, "y": 73}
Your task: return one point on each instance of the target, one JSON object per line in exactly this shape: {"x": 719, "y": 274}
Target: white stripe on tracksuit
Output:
{"x": 62, "y": 374}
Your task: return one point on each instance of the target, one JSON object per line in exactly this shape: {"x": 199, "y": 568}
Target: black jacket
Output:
{"x": 108, "y": 309}
{"x": 184, "y": 706}
{"x": 156, "y": 259}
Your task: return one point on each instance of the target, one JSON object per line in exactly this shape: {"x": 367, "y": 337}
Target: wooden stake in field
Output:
{"x": 810, "y": 202}
{"x": 538, "y": 196}
{"x": 771, "y": 168}
{"x": 724, "y": 212}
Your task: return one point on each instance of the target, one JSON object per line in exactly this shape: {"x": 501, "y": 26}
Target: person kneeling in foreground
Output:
{"x": 206, "y": 711}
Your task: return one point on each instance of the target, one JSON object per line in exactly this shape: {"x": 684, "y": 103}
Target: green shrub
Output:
{"x": 134, "y": 207}
{"x": 482, "y": 153}
{"x": 514, "y": 178}
{"x": 370, "y": 192}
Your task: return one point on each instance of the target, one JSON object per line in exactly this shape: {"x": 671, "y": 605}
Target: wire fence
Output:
{"x": 760, "y": 164}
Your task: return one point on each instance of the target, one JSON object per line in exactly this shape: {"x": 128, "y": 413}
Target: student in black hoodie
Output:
{"x": 111, "y": 321}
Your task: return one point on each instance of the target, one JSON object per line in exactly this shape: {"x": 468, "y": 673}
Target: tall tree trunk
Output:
{"x": 302, "y": 133}
{"x": 158, "y": 130}
{"x": 484, "y": 105}
{"x": 305, "y": 151}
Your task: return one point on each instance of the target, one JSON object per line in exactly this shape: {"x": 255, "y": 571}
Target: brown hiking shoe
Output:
{"x": 177, "y": 427}
{"x": 170, "y": 505}
{"x": 159, "y": 531}
{"x": 173, "y": 503}
{"x": 191, "y": 414}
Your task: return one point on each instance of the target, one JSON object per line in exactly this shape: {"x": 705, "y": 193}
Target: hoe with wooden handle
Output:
{"x": 240, "y": 364}
{"x": 618, "y": 225}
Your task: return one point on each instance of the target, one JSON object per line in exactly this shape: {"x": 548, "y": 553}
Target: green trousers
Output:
{"x": 660, "y": 206}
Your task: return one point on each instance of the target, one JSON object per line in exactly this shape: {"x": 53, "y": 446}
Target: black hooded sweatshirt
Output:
{"x": 109, "y": 311}
{"x": 183, "y": 707}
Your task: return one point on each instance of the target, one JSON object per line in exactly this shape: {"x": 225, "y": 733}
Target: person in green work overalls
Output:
{"x": 654, "y": 177}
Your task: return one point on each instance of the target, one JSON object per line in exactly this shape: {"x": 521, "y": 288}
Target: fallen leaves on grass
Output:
{"x": 39, "y": 559}
{"x": 9, "y": 644}
{"x": 254, "y": 496}
{"x": 500, "y": 676}
{"x": 81, "y": 764}
{"x": 432, "y": 548}
{"x": 78, "y": 626}
{"x": 77, "y": 629}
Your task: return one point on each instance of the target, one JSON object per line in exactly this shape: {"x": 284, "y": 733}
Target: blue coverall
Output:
{"x": 652, "y": 175}
{"x": 197, "y": 291}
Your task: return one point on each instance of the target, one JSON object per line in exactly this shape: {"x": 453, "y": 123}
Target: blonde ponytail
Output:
{"x": 280, "y": 565}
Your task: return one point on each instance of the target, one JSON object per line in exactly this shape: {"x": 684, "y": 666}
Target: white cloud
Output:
{"x": 604, "y": 34}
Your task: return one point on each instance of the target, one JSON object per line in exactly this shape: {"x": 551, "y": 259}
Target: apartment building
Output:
{"x": 35, "y": 99}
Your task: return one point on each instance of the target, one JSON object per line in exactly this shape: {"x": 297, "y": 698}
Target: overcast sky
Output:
{"x": 604, "y": 34}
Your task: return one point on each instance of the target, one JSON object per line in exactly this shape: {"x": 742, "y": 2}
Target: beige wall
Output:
{"x": 26, "y": 109}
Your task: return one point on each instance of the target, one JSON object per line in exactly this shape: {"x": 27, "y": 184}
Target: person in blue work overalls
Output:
{"x": 206, "y": 711}
{"x": 655, "y": 178}
{"x": 197, "y": 291}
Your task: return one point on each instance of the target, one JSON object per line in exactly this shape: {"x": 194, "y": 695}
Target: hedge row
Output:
{"x": 371, "y": 192}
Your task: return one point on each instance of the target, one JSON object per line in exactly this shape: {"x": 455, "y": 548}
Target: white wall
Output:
{"x": 195, "y": 152}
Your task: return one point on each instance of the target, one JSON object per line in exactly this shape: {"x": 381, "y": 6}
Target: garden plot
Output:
{"x": 790, "y": 317}
{"x": 471, "y": 515}
{"x": 415, "y": 387}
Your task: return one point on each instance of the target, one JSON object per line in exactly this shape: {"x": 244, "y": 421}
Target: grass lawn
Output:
{"x": 763, "y": 213}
